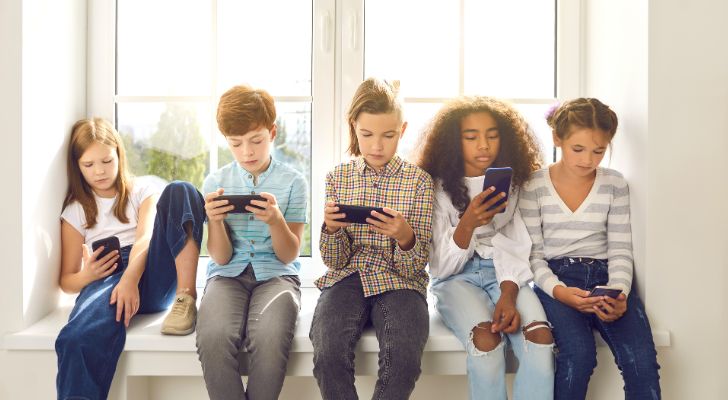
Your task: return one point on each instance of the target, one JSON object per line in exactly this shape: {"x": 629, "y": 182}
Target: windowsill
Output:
{"x": 148, "y": 352}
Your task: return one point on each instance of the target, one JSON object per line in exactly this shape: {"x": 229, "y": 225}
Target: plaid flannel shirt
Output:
{"x": 381, "y": 263}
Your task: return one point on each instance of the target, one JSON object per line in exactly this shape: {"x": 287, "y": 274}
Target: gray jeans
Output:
{"x": 401, "y": 322}
{"x": 238, "y": 314}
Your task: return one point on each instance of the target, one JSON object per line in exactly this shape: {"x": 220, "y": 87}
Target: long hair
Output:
{"x": 441, "y": 151}
{"x": 373, "y": 96}
{"x": 86, "y": 132}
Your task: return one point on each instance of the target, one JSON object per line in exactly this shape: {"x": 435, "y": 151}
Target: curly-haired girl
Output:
{"x": 479, "y": 258}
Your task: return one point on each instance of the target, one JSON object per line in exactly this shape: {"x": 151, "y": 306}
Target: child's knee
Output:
{"x": 538, "y": 332}
{"x": 483, "y": 339}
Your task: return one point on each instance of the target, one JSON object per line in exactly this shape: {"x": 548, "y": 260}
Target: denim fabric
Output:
{"x": 402, "y": 326}
{"x": 629, "y": 337}
{"x": 466, "y": 299}
{"x": 89, "y": 346}
{"x": 257, "y": 315}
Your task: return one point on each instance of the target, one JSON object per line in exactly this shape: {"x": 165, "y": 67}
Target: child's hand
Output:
{"x": 576, "y": 298}
{"x": 394, "y": 226}
{"x": 217, "y": 210}
{"x": 331, "y": 214}
{"x": 95, "y": 269}
{"x": 477, "y": 213}
{"x": 126, "y": 297}
{"x": 266, "y": 211}
{"x": 505, "y": 316}
{"x": 609, "y": 309}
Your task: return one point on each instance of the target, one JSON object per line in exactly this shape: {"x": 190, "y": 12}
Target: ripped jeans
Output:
{"x": 629, "y": 337}
{"x": 467, "y": 299}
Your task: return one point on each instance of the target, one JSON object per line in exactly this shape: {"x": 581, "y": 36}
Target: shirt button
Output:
{"x": 252, "y": 242}
{"x": 250, "y": 176}
{"x": 252, "y": 254}
{"x": 252, "y": 218}
{"x": 253, "y": 192}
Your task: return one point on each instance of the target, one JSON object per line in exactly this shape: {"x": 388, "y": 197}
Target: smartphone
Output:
{"x": 110, "y": 244}
{"x": 500, "y": 178}
{"x": 240, "y": 201}
{"x": 358, "y": 214}
{"x": 605, "y": 291}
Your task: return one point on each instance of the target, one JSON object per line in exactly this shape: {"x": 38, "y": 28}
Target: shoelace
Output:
{"x": 179, "y": 307}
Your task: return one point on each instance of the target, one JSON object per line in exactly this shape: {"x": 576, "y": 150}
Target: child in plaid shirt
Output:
{"x": 377, "y": 270}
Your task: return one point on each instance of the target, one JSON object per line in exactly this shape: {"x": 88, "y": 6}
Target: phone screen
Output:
{"x": 500, "y": 178}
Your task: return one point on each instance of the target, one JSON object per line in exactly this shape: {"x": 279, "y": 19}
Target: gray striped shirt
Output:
{"x": 599, "y": 228}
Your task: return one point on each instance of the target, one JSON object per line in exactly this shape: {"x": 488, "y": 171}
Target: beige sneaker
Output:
{"x": 182, "y": 317}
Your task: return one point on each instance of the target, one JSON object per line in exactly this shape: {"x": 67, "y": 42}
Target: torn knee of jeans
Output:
{"x": 482, "y": 340}
{"x": 538, "y": 332}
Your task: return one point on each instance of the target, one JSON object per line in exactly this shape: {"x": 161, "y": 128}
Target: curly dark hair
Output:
{"x": 441, "y": 150}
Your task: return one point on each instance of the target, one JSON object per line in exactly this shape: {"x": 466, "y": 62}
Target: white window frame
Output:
{"x": 337, "y": 70}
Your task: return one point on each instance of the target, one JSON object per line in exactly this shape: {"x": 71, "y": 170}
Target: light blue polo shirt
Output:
{"x": 250, "y": 237}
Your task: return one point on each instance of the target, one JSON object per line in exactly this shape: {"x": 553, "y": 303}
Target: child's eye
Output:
{"x": 493, "y": 137}
{"x": 389, "y": 136}
{"x": 258, "y": 142}
{"x": 107, "y": 161}
{"x": 469, "y": 138}
{"x": 87, "y": 165}
{"x": 577, "y": 150}
{"x": 236, "y": 145}
{"x": 600, "y": 152}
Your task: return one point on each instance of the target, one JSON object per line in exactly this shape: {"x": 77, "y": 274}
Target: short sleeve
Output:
{"x": 297, "y": 208}
{"x": 209, "y": 185}
{"x": 74, "y": 215}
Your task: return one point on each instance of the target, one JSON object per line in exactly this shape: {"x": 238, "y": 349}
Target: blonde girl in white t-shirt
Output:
{"x": 156, "y": 264}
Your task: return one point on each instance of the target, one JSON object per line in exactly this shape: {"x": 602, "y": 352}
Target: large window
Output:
{"x": 158, "y": 68}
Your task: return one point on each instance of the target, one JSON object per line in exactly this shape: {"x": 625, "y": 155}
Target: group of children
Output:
{"x": 564, "y": 229}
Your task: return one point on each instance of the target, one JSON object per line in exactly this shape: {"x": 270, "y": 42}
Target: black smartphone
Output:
{"x": 605, "y": 291}
{"x": 358, "y": 214}
{"x": 500, "y": 178}
{"x": 110, "y": 244}
{"x": 240, "y": 201}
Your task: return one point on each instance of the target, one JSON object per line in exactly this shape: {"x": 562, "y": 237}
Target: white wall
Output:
{"x": 663, "y": 66}
{"x": 42, "y": 92}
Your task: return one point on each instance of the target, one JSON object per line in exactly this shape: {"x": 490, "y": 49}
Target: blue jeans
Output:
{"x": 629, "y": 337}
{"x": 401, "y": 323}
{"x": 467, "y": 299}
{"x": 90, "y": 344}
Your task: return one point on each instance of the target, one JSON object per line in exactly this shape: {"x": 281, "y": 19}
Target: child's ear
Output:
{"x": 557, "y": 140}
{"x": 404, "y": 127}
{"x": 273, "y": 131}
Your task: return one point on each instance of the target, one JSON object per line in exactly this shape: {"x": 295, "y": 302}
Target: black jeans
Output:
{"x": 402, "y": 324}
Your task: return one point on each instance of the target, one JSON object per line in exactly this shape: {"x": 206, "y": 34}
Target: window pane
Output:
{"x": 535, "y": 116}
{"x": 168, "y": 140}
{"x": 418, "y": 117}
{"x": 509, "y": 48}
{"x": 292, "y": 146}
{"x": 414, "y": 42}
{"x": 266, "y": 44}
{"x": 163, "y": 47}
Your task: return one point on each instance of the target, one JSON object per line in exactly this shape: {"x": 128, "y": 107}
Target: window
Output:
{"x": 158, "y": 68}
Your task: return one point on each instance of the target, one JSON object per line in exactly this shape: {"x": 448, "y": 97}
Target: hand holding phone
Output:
{"x": 500, "y": 178}
{"x": 607, "y": 291}
{"x": 110, "y": 244}
{"x": 240, "y": 201}
{"x": 358, "y": 214}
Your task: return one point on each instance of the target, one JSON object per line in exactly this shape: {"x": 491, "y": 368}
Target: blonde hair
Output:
{"x": 373, "y": 96}
{"x": 242, "y": 109}
{"x": 85, "y": 133}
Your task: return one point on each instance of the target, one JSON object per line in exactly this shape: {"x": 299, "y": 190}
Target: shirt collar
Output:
{"x": 389, "y": 169}
{"x": 248, "y": 176}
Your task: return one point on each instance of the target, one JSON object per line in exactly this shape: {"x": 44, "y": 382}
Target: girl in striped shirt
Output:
{"x": 577, "y": 215}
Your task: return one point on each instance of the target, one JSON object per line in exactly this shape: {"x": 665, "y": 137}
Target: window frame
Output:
{"x": 338, "y": 52}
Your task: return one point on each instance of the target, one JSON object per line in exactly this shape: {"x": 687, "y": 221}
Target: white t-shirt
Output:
{"x": 106, "y": 222}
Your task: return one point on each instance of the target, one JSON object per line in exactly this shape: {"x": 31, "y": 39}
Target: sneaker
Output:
{"x": 182, "y": 317}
